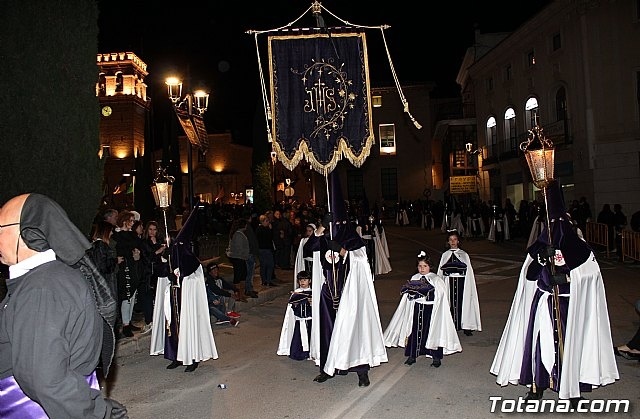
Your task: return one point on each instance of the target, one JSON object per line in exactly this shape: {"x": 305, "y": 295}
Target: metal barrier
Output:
{"x": 597, "y": 233}
{"x": 630, "y": 245}
{"x": 208, "y": 246}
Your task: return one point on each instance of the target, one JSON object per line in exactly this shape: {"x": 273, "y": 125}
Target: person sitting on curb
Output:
{"x": 215, "y": 304}
{"x": 223, "y": 289}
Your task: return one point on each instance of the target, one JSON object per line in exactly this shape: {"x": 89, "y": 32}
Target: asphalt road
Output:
{"x": 261, "y": 384}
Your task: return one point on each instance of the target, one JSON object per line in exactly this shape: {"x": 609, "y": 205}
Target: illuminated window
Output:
{"x": 376, "y": 101}
{"x": 460, "y": 158}
{"x": 492, "y": 135}
{"x": 510, "y": 133}
{"x": 387, "y": 134}
{"x": 530, "y": 111}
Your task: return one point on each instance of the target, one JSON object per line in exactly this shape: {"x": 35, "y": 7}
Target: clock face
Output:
{"x": 106, "y": 111}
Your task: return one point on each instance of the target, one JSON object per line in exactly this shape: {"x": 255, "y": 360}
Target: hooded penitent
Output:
{"x": 181, "y": 255}
{"x": 342, "y": 230}
{"x": 45, "y": 225}
{"x": 564, "y": 238}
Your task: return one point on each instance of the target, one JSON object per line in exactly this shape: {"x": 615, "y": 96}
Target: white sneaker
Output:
{"x": 147, "y": 328}
{"x": 222, "y": 321}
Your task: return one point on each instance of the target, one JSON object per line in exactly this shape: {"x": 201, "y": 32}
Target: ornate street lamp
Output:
{"x": 540, "y": 154}
{"x": 190, "y": 121}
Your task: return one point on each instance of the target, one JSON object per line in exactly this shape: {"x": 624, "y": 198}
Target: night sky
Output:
{"x": 206, "y": 43}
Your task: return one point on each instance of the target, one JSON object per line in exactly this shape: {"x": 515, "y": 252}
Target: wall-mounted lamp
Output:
{"x": 470, "y": 150}
{"x": 376, "y": 101}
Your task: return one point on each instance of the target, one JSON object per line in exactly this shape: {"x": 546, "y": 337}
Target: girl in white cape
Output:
{"x": 422, "y": 323}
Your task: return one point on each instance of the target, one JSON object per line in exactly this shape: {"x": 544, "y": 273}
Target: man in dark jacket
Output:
{"x": 56, "y": 325}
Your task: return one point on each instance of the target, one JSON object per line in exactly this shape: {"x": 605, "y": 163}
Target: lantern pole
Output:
{"x": 540, "y": 154}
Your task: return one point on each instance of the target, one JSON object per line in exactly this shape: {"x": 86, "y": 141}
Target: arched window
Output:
{"x": 102, "y": 85}
{"x": 119, "y": 82}
{"x": 531, "y": 113}
{"x": 492, "y": 136}
{"x": 510, "y": 132}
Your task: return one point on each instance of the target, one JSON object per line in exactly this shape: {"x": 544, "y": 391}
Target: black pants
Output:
{"x": 239, "y": 270}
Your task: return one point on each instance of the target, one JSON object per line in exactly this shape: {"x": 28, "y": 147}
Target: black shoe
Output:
{"x": 534, "y": 395}
{"x": 436, "y": 363}
{"x": 410, "y": 361}
{"x": 191, "y": 368}
{"x": 134, "y": 328}
{"x": 468, "y": 333}
{"x": 575, "y": 402}
{"x": 363, "y": 379}
{"x": 322, "y": 377}
{"x": 126, "y": 331}
{"x": 251, "y": 294}
{"x": 174, "y": 365}
{"x": 625, "y": 354}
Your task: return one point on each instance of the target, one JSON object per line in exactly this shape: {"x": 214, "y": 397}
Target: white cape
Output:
{"x": 383, "y": 239}
{"x": 588, "y": 348}
{"x": 299, "y": 262}
{"x": 288, "y": 327}
{"x": 470, "y": 304}
{"x": 382, "y": 264}
{"x": 357, "y": 333}
{"x": 442, "y": 331}
{"x": 196, "y": 341}
{"x": 502, "y": 226}
{"x": 470, "y": 222}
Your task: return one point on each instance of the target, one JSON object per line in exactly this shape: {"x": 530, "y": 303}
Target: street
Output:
{"x": 261, "y": 384}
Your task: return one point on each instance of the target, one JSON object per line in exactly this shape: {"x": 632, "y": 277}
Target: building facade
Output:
{"x": 399, "y": 165}
{"x": 574, "y": 68}
{"x": 221, "y": 175}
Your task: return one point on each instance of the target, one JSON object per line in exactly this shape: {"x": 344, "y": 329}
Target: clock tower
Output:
{"x": 124, "y": 107}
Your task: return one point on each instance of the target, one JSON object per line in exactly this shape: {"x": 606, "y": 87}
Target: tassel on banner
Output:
{"x": 406, "y": 109}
